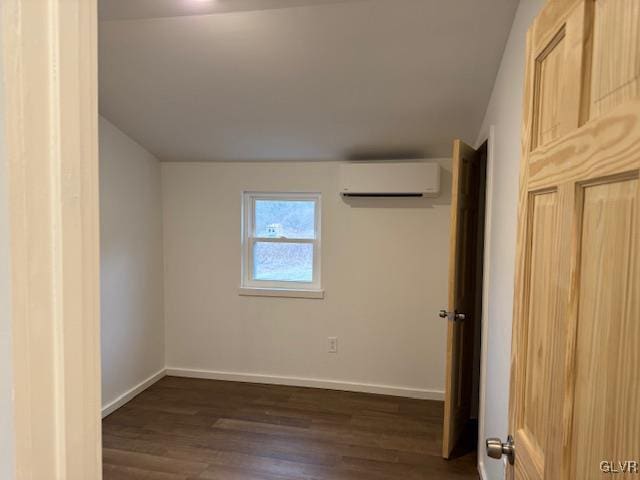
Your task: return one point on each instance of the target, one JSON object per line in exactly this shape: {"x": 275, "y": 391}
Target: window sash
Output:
{"x": 282, "y": 240}
{"x": 295, "y": 197}
{"x": 249, "y": 239}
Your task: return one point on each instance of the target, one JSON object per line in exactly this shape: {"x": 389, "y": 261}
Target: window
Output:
{"x": 281, "y": 244}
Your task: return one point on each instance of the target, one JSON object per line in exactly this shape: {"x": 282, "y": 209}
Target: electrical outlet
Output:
{"x": 332, "y": 344}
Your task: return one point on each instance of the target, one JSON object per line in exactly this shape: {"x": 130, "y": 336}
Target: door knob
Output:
{"x": 454, "y": 316}
{"x": 496, "y": 449}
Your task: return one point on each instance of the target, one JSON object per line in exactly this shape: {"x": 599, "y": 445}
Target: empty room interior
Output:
{"x": 275, "y": 200}
{"x": 334, "y": 240}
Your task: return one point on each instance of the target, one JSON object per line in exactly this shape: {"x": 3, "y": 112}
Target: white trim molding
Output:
{"x": 50, "y": 73}
{"x": 486, "y": 269}
{"x": 280, "y": 292}
{"x": 398, "y": 391}
{"x": 423, "y": 394}
{"x": 130, "y": 394}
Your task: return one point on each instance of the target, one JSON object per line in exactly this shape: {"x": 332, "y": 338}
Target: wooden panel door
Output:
{"x": 465, "y": 280}
{"x": 575, "y": 376}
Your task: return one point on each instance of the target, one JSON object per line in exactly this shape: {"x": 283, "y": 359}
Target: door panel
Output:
{"x": 558, "y": 66}
{"x": 541, "y": 339}
{"x": 542, "y": 303}
{"x": 616, "y": 54}
{"x": 549, "y": 75}
{"x": 575, "y": 386}
{"x": 607, "y": 355}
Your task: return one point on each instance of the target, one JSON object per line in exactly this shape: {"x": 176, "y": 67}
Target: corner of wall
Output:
{"x": 132, "y": 272}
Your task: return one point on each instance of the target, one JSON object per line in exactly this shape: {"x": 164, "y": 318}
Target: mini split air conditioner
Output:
{"x": 390, "y": 179}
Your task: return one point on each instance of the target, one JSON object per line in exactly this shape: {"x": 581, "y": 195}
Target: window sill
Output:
{"x": 280, "y": 292}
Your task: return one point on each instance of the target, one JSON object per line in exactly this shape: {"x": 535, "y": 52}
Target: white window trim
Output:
{"x": 249, "y": 286}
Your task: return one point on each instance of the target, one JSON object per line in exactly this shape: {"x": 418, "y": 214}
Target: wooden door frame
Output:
{"x": 50, "y": 67}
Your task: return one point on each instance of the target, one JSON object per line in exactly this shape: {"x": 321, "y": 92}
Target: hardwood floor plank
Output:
{"x": 131, "y": 473}
{"x": 237, "y": 473}
{"x": 153, "y": 463}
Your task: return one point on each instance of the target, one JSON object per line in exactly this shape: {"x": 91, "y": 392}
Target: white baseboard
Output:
{"x": 423, "y": 394}
{"x": 130, "y": 394}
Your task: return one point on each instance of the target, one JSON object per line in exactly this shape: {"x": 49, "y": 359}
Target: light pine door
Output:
{"x": 466, "y": 242}
{"x": 575, "y": 377}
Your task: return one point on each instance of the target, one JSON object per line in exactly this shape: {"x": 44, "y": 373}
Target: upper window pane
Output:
{"x": 285, "y": 218}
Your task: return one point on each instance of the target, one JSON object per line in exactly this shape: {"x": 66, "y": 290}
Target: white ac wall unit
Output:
{"x": 390, "y": 179}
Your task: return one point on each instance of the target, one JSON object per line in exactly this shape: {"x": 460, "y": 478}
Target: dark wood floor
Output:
{"x": 184, "y": 429}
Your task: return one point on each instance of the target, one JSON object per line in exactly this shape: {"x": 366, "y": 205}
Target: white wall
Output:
{"x": 6, "y": 379}
{"x": 131, "y": 264}
{"x": 505, "y": 114}
{"x": 384, "y": 272}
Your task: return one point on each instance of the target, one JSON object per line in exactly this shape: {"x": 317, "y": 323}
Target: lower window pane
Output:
{"x": 283, "y": 262}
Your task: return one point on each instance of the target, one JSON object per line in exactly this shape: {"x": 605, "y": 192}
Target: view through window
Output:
{"x": 281, "y": 236}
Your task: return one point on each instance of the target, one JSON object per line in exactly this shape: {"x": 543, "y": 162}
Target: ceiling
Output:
{"x": 225, "y": 80}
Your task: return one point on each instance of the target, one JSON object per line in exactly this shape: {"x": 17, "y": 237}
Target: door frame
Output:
{"x": 49, "y": 54}
{"x": 486, "y": 278}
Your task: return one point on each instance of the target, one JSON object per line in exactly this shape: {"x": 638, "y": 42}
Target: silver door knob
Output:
{"x": 454, "y": 316}
{"x": 496, "y": 449}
